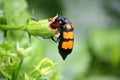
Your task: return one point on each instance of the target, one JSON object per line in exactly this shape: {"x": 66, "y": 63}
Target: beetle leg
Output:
{"x": 53, "y": 39}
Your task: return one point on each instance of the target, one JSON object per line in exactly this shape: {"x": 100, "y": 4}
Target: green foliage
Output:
{"x": 11, "y": 64}
{"x": 17, "y": 9}
{"x": 21, "y": 57}
{"x": 44, "y": 67}
{"x": 104, "y": 46}
{"x": 16, "y": 17}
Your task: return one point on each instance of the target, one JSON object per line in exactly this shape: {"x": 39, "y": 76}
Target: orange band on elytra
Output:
{"x": 68, "y": 35}
{"x": 67, "y": 45}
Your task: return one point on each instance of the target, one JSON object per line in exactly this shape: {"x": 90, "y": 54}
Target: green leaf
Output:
{"x": 16, "y": 13}
{"x": 44, "y": 67}
{"x": 6, "y": 46}
{"x": 33, "y": 56}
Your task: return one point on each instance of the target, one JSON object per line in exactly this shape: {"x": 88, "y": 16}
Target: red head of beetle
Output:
{"x": 54, "y": 25}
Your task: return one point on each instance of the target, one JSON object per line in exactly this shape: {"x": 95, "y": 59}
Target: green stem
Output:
{"x": 10, "y": 27}
{"x": 16, "y": 73}
{"x": 36, "y": 28}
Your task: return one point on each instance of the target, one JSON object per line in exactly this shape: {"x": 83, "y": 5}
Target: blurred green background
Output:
{"x": 96, "y": 53}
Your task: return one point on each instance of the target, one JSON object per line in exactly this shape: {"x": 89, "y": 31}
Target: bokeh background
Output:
{"x": 96, "y": 53}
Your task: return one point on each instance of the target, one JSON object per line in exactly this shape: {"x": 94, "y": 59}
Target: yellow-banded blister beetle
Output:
{"x": 66, "y": 38}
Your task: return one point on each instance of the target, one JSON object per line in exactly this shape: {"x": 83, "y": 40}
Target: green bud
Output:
{"x": 40, "y": 28}
{"x": 20, "y": 51}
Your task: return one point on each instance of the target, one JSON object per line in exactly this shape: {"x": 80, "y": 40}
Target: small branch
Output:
{"x": 39, "y": 28}
{"x": 10, "y": 27}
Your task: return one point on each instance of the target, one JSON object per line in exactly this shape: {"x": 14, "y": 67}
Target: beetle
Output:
{"x": 66, "y": 38}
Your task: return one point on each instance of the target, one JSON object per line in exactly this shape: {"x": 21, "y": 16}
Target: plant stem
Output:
{"x": 16, "y": 73}
{"x": 40, "y": 28}
{"x": 11, "y": 27}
